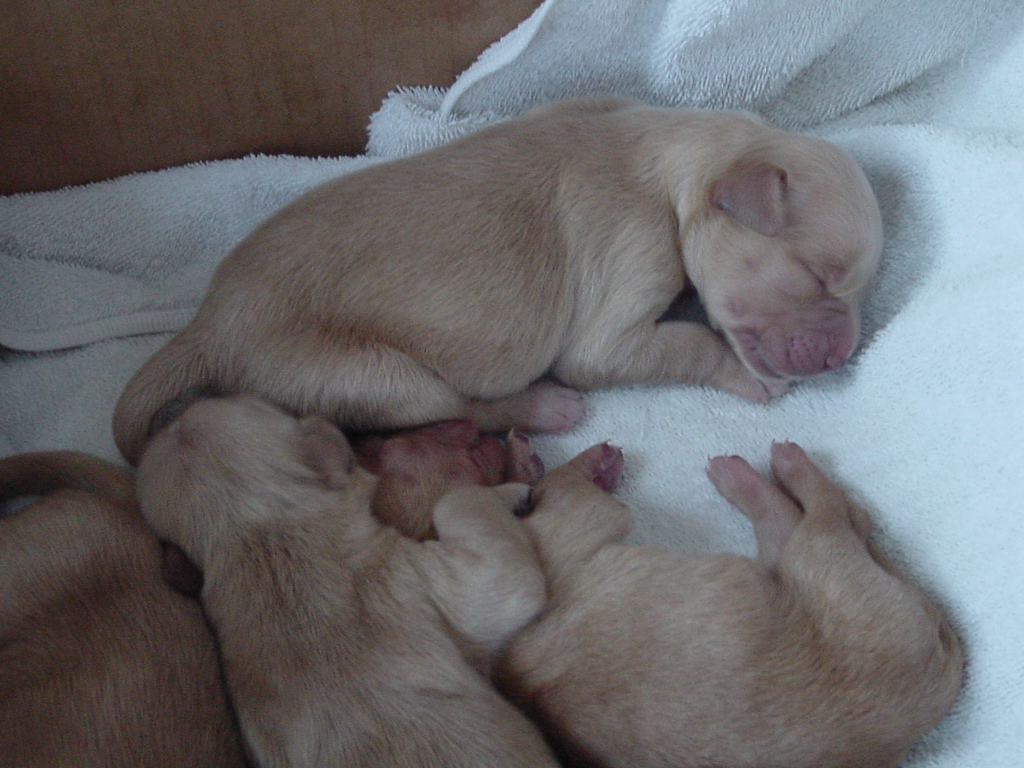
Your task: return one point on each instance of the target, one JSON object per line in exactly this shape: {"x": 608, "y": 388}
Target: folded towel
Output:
{"x": 798, "y": 64}
{"x": 925, "y": 426}
{"x": 133, "y": 255}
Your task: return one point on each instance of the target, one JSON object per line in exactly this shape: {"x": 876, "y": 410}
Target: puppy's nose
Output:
{"x": 834, "y": 361}
{"x": 812, "y": 352}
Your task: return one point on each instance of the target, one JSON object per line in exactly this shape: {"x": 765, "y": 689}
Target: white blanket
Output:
{"x": 925, "y": 427}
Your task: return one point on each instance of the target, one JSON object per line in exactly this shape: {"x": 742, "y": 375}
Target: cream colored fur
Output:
{"x": 343, "y": 642}
{"x": 448, "y": 284}
{"x": 818, "y": 654}
{"x": 101, "y": 663}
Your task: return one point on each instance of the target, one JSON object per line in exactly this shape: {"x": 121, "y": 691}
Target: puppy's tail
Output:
{"x": 47, "y": 471}
{"x": 177, "y": 374}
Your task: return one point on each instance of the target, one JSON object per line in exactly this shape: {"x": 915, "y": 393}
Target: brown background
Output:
{"x": 91, "y": 89}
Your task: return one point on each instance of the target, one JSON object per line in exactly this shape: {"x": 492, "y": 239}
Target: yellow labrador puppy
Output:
{"x": 818, "y": 654}
{"x": 101, "y": 662}
{"x": 449, "y": 284}
{"x": 343, "y": 642}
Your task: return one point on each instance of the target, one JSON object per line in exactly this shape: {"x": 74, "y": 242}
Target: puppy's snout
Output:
{"x": 816, "y": 351}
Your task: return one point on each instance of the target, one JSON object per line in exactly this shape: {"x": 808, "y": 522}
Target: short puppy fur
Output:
{"x": 818, "y": 654}
{"x": 449, "y": 284}
{"x": 101, "y": 663}
{"x": 343, "y": 642}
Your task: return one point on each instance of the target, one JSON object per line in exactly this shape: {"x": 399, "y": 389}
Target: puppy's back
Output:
{"x": 101, "y": 663}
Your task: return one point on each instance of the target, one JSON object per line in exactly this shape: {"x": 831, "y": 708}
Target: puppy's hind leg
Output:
{"x": 544, "y": 406}
{"x": 370, "y": 386}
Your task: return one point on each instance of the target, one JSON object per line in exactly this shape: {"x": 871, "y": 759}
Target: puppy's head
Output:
{"x": 782, "y": 252}
{"x": 417, "y": 467}
{"x": 225, "y": 463}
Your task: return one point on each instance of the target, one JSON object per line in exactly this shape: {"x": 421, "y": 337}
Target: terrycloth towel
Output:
{"x": 925, "y": 427}
{"x": 799, "y": 64}
{"x": 133, "y": 256}
{"x": 94, "y": 279}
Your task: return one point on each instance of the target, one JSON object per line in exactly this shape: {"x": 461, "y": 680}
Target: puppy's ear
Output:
{"x": 755, "y": 195}
{"x": 326, "y": 451}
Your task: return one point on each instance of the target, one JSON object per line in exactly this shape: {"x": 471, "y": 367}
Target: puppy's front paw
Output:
{"x": 749, "y": 387}
{"x": 736, "y": 480}
{"x": 603, "y": 463}
{"x": 804, "y": 481}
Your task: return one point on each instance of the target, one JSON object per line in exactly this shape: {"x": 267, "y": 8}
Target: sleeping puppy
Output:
{"x": 343, "y": 642}
{"x": 416, "y": 467}
{"x": 817, "y": 654}
{"x": 101, "y": 663}
{"x": 449, "y": 284}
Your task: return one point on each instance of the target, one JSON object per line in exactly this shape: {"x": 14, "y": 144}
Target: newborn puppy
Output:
{"x": 817, "y": 654}
{"x": 101, "y": 663}
{"x": 448, "y": 284}
{"x": 343, "y": 642}
{"x": 416, "y": 467}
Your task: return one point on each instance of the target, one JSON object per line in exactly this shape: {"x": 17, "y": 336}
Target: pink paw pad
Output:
{"x": 606, "y": 466}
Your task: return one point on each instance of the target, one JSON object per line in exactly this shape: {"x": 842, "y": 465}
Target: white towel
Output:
{"x": 800, "y": 64}
{"x": 925, "y": 426}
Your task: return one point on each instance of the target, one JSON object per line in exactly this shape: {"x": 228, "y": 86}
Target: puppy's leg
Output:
{"x": 817, "y": 494}
{"x": 482, "y": 571}
{"x": 46, "y": 471}
{"x": 773, "y": 514}
{"x": 776, "y": 510}
{"x": 668, "y": 351}
{"x": 575, "y": 515}
{"x": 544, "y": 406}
{"x": 890, "y": 646}
{"x": 369, "y": 386}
